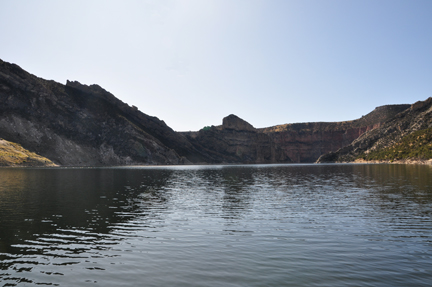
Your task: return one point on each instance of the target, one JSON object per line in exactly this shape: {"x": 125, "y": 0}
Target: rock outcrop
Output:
{"x": 417, "y": 117}
{"x": 79, "y": 125}
{"x": 236, "y": 141}
{"x": 233, "y": 122}
{"x": 305, "y": 142}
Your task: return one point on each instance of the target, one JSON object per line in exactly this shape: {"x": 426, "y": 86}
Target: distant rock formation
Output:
{"x": 416, "y": 117}
{"x": 237, "y": 141}
{"x": 80, "y": 125}
{"x": 305, "y": 142}
{"x": 233, "y": 122}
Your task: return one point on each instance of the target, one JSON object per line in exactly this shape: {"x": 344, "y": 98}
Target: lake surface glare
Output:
{"x": 256, "y": 225}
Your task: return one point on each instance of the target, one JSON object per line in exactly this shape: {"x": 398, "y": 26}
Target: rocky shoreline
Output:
{"x": 402, "y": 161}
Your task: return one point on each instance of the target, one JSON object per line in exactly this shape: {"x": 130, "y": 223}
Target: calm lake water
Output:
{"x": 261, "y": 225}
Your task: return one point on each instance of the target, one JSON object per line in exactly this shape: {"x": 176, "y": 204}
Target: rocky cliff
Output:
{"x": 236, "y": 141}
{"x": 80, "y": 125}
{"x": 305, "y": 142}
{"x": 415, "y": 118}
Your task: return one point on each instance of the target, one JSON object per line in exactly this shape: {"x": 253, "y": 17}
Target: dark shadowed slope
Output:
{"x": 74, "y": 124}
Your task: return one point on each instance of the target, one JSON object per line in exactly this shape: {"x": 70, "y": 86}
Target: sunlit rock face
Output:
{"x": 414, "y": 118}
{"x": 305, "y": 142}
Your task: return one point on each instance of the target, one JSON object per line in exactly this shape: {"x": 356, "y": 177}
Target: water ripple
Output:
{"x": 336, "y": 225}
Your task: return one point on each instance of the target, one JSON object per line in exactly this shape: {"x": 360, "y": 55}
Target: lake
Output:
{"x": 255, "y": 225}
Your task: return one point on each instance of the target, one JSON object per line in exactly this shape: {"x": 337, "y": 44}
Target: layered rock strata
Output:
{"x": 236, "y": 141}
{"x": 417, "y": 117}
{"x": 305, "y": 142}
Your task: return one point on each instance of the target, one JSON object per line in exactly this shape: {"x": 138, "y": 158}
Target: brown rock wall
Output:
{"x": 300, "y": 146}
{"x": 417, "y": 117}
{"x": 236, "y": 141}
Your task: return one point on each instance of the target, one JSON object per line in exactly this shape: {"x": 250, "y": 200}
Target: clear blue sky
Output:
{"x": 191, "y": 63}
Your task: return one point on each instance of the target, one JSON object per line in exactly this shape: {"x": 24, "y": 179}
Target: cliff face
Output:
{"x": 236, "y": 141}
{"x": 79, "y": 125}
{"x": 305, "y": 142}
{"x": 74, "y": 124}
{"x": 417, "y": 117}
{"x": 302, "y": 144}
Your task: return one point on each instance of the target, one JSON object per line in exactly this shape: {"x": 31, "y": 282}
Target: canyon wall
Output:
{"x": 80, "y": 125}
{"x": 415, "y": 118}
{"x": 305, "y": 142}
{"x": 236, "y": 141}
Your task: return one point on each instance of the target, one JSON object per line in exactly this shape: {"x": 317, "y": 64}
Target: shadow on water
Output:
{"x": 43, "y": 200}
{"x": 54, "y": 213}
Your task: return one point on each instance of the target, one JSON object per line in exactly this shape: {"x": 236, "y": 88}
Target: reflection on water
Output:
{"x": 262, "y": 225}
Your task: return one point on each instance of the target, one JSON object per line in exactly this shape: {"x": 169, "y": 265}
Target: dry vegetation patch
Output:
{"x": 417, "y": 146}
{"x": 13, "y": 154}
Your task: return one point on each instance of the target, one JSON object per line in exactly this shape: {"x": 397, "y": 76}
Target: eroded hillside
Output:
{"x": 80, "y": 125}
{"x": 417, "y": 117}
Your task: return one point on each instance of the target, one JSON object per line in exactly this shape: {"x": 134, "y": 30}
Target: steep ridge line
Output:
{"x": 417, "y": 117}
{"x": 236, "y": 141}
{"x": 80, "y": 125}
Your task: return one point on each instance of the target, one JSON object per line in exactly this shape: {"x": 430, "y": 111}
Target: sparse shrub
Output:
{"x": 417, "y": 145}
{"x": 206, "y": 128}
